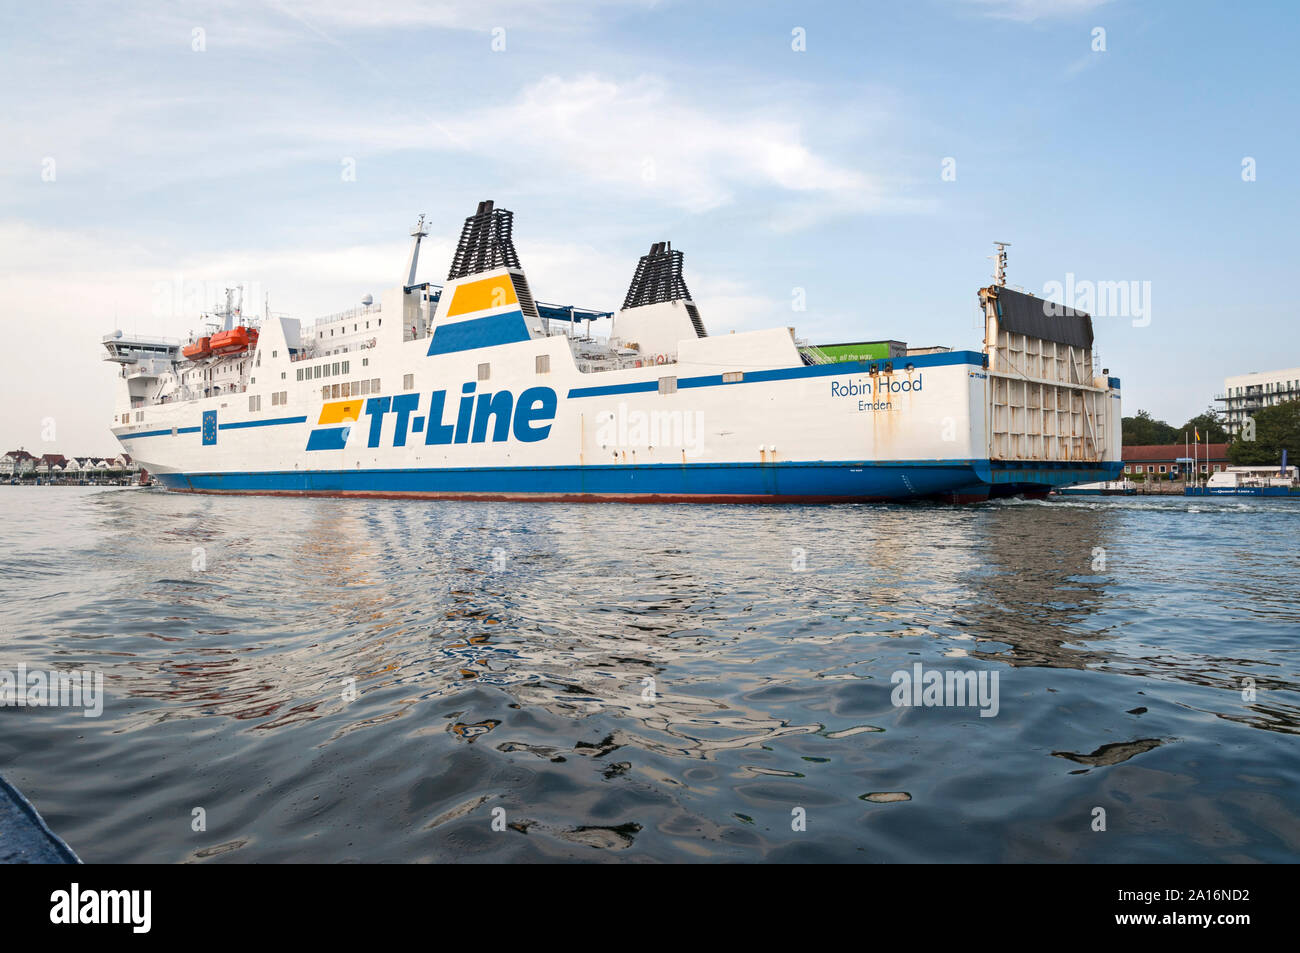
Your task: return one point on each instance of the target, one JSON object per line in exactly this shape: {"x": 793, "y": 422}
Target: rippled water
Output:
{"x": 501, "y": 655}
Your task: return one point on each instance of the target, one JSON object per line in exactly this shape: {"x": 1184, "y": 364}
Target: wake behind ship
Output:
{"x": 475, "y": 390}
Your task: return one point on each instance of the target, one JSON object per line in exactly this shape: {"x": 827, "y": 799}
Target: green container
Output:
{"x": 863, "y": 350}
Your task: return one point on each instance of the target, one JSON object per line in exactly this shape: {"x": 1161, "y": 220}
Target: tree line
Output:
{"x": 1277, "y": 428}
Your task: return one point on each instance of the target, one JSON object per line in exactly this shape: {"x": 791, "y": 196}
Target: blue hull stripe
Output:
{"x": 495, "y": 329}
{"x": 156, "y": 433}
{"x": 972, "y": 358}
{"x": 237, "y": 425}
{"x": 273, "y": 422}
{"x": 863, "y": 480}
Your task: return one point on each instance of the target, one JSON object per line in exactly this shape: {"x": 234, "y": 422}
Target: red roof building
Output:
{"x": 1156, "y": 460}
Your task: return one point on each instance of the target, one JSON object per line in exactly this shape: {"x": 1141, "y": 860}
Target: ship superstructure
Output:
{"x": 474, "y": 389}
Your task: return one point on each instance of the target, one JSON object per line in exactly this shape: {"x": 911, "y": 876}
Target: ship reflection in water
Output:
{"x": 370, "y": 680}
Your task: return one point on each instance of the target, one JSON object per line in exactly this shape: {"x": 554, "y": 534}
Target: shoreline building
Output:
{"x": 1164, "y": 461}
{"x": 1246, "y": 393}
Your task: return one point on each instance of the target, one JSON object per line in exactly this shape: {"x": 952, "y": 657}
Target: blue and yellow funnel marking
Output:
{"x": 495, "y": 292}
{"x": 469, "y": 322}
{"x": 345, "y": 412}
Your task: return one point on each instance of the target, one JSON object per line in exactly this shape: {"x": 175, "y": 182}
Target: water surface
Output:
{"x": 660, "y": 683}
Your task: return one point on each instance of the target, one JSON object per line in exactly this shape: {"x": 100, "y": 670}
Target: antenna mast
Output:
{"x": 1000, "y": 271}
{"x": 418, "y": 232}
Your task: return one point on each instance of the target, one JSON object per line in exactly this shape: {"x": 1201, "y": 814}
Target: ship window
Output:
{"x": 668, "y": 385}
{"x": 367, "y": 325}
{"x": 300, "y": 373}
{"x": 252, "y": 403}
{"x": 318, "y": 367}
{"x": 365, "y": 388}
{"x": 484, "y": 371}
{"x": 273, "y": 354}
{"x": 325, "y": 392}
{"x": 347, "y": 388}
{"x": 336, "y": 367}
{"x": 345, "y": 366}
{"x": 733, "y": 377}
{"x": 408, "y": 382}
{"x": 354, "y": 327}
{"x": 365, "y": 362}
{"x": 282, "y": 373}
{"x": 543, "y": 363}
{"x": 335, "y": 393}
{"x": 374, "y": 386}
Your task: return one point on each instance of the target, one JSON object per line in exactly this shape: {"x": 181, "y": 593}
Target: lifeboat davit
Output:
{"x": 233, "y": 341}
{"x": 197, "y": 349}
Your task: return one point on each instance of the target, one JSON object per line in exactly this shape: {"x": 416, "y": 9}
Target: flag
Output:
{"x": 1197, "y": 431}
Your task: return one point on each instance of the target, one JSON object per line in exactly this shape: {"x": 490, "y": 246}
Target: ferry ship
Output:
{"x": 473, "y": 389}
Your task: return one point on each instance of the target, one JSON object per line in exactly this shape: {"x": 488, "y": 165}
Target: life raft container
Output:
{"x": 197, "y": 349}
{"x": 234, "y": 340}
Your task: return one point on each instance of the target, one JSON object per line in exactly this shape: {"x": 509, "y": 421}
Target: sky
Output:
{"x": 841, "y": 167}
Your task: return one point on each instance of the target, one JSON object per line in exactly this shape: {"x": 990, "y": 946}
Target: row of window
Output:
{"x": 278, "y": 399}
{"x": 1151, "y": 468}
{"x": 1272, "y": 387}
{"x": 378, "y": 323}
{"x": 349, "y": 389}
{"x": 327, "y": 370}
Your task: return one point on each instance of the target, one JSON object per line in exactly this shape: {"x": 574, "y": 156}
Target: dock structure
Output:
{"x": 25, "y": 838}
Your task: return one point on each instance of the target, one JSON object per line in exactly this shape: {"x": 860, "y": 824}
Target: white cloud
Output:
{"x": 453, "y": 14}
{"x": 640, "y": 139}
{"x": 1029, "y": 10}
{"x": 652, "y": 140}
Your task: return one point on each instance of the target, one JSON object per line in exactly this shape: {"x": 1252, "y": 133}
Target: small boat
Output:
{"x": 234, "y": 340}
{"x": 197, "y": 349}
{"x": 1247, "y": 481}
{"x": 1104, "y": 488}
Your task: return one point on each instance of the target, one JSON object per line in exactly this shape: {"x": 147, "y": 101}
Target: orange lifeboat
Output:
{"x": 233, "y": 341}
{"x": 197, "y": 349}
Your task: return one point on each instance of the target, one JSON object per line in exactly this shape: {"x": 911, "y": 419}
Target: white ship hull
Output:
{"x": 451, "y": 401}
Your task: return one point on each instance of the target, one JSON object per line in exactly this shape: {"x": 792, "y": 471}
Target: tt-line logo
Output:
{"x": 529, "y": 418}
{"x": 94, "y": 907}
